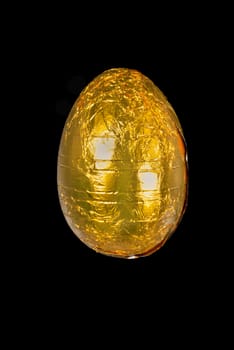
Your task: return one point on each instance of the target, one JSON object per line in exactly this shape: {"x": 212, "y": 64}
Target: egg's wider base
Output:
{"x": 122, "y": 171}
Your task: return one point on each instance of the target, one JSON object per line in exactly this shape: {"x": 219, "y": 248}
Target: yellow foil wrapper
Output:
{"x": 122, "y": 166}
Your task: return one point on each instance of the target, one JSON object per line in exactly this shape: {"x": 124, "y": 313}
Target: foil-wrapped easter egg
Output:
{"x": 122, "y": 166}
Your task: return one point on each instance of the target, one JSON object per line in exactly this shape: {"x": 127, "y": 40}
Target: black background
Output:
{"x": 184, "y": 286}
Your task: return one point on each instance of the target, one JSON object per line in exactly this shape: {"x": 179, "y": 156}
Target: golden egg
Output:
{"x": 122, "y": 166}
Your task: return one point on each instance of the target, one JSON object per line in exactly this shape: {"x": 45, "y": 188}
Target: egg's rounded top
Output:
{"x": 124, "y": 83}
{"x": 122, "y": 169}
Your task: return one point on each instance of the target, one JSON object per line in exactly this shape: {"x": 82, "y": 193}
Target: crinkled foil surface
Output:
{"x": 122, "y": 170}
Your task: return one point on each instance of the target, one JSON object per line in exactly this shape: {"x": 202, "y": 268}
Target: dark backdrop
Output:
{"x": 184, "y": 285}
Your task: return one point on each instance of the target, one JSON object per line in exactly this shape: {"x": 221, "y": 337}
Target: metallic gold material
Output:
{"x": 122, "y": 168}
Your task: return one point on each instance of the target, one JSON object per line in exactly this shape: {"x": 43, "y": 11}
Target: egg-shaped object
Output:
{"x": 122, "y": 166}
